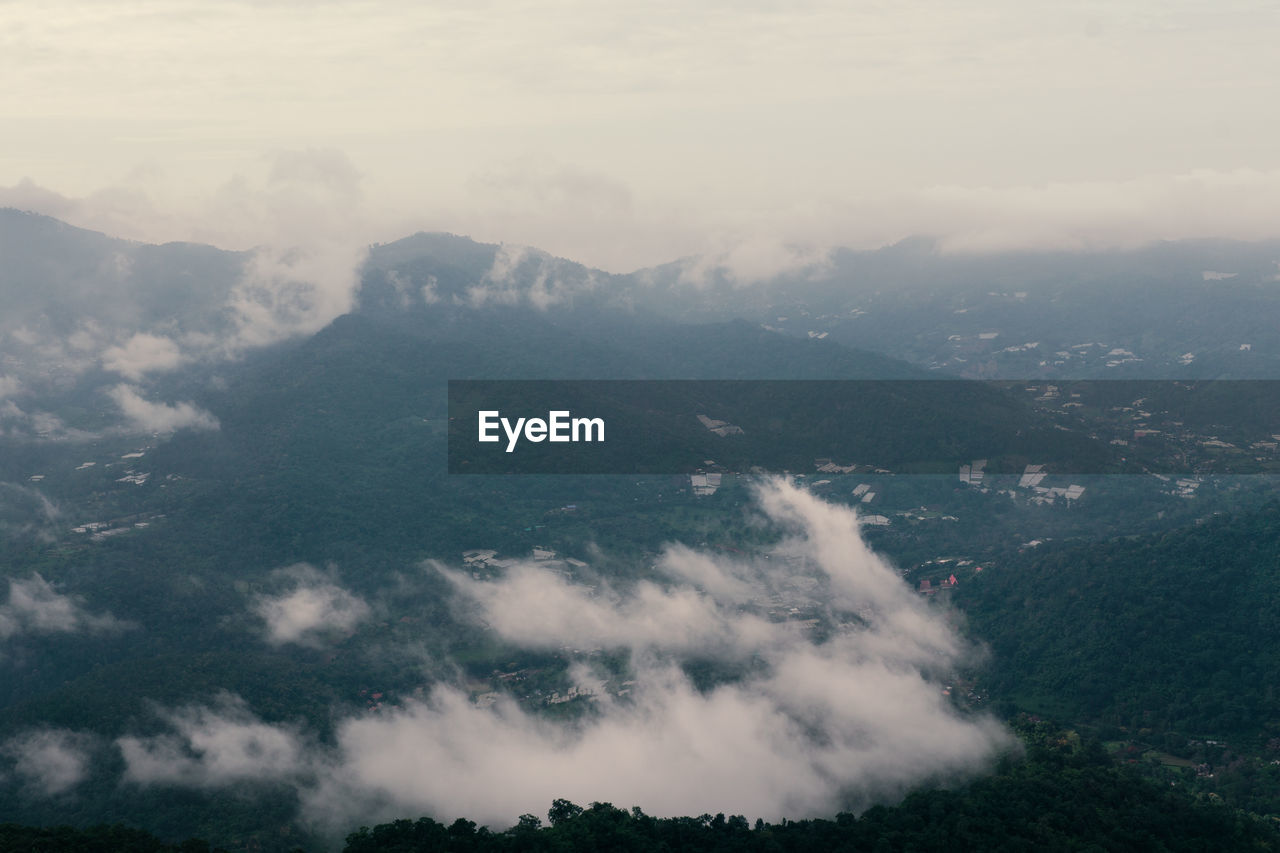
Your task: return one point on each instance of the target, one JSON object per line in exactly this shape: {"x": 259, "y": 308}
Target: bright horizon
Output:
{"x": 624, "y": 137}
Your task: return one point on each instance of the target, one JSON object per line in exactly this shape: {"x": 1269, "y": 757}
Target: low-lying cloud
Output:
{"x": 292, "y": 223}
{"x": 520, "y": 275}
{"x": 750, "y": 260}
{"x": 220, "y": 745}
{"x": 52, "y": 761}
{"x": 35, "y": 607}
{"x": 16, "y": 422}
{"x": 314, "y": 606}
{"x": 144, "y": 415}
{"x": 837, "y": 710}
{"x": 291, "y": 292}
{"x": 535, "y": 607}
{"x": 26, "y": 511}
{"x": 142, "y": 354}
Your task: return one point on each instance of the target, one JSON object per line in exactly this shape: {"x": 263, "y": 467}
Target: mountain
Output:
{"x": 235, "y": 560}
{"x": 1186, "y": 309}
{"x": 67, "y": 295}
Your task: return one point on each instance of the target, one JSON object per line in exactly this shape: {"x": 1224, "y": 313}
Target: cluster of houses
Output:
{"x": 720, "y": 428}
{"x": 582, "y": 690}
{"x": 974, "y": 474}
{"x": 99, "y": 530}
{"x": 477, "y": 558}
{"x": 947, "y": 564}
{"x": 928, "y": 587}
{"x": 484, "y": 558}
{"x": 704, "y": 484}
{"x": 826, "y": 466}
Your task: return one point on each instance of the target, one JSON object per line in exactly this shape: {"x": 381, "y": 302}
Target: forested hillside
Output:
{"x": 239, "y": 577}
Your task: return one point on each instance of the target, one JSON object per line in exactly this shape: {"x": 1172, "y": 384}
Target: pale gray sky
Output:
{"x": 628, "y": 134}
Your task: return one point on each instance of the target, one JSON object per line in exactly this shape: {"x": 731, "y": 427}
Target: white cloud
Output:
{"x": 19, "y": 423}
{"x": 806, "y": 726}
{"x": 141, "y": 354}
{"x": 295, "y": 212}
{"x": 297, "y": 291}
{"x": 222, "y": 745}
{"x": 523, "y": 275}
{"x": 54, "y": 761}
{"x": 753, "y": 260}
{"x": 299, "y": 212}
{"x": 147, "y": 416}
{"x": 25, "y": 510}
{"x": 35, "y": 607}
{"x": 313, "y": 607}
{"x": 534, "y": 606}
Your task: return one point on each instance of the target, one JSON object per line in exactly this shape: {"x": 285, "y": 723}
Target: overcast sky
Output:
{"x": 629, "y": 134}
